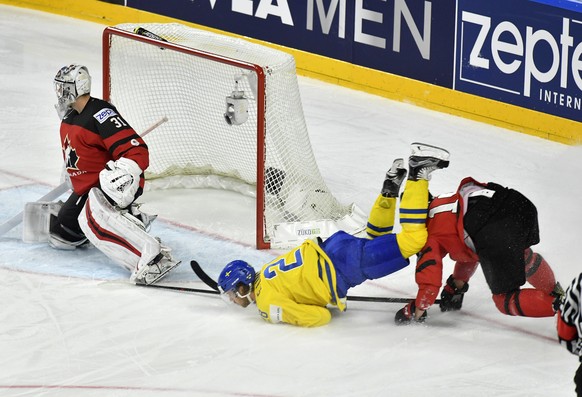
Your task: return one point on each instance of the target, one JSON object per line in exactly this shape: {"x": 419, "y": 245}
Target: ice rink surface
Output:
{"x": 72, "y": 325}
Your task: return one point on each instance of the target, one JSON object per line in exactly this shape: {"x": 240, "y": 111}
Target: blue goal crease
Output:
{"x": 212, "y": 253}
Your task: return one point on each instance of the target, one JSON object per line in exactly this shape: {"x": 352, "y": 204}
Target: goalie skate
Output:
{"x": 425, "y": 159}
{"x": 156, "y": 269}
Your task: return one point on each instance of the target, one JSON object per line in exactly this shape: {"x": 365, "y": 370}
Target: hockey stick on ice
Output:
{"x": 61, "y": 189}
{"x": 182, "y": 289}
{"x": 205, "y": 278}
{"x": 214, "y": 292}
{"x": 354, "y": 298}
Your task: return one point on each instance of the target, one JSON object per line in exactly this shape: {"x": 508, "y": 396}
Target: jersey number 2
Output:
{"x": 281, "y": 265}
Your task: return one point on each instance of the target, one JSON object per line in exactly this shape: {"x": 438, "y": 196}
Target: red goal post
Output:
{"x": 235, "y": 122}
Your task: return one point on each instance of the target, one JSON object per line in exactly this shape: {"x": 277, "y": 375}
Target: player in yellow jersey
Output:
{"x": 297, "y": 287}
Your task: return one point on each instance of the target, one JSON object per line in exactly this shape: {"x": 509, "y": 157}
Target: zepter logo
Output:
{"x": 524, "y": 60}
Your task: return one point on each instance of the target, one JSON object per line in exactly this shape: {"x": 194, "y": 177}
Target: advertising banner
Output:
{"x": 410, "y": 38}
{"x": 521, "y": 52}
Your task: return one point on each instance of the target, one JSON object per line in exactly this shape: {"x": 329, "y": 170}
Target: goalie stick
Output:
{"x": 182, "y": 289}
{"x": 17, "y": 219}
{"x": 205, "y": 278}
{"x": 61, "y": 189}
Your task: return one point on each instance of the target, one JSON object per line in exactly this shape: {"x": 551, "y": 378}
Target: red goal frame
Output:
{"x": 261, "y": 242}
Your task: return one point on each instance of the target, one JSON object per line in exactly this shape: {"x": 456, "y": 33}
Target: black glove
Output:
{"x": 451, "y": 296}
{"x": 405, "y": 315}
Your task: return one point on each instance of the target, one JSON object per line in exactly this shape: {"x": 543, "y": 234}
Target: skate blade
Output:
{"x": 160, "y": 276}
{"x": 425, "y": 150}
{"x": 397, "y": 166}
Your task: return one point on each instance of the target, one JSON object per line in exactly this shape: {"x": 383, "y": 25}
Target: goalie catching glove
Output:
{"x": 120, "y": 181}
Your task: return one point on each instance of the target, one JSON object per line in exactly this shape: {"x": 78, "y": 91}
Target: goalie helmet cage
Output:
{"x": 235, "y": 122}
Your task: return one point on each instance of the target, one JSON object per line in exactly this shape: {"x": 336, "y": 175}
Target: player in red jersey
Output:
{"x": 105, "y": 160}
{"x": 491, "y": 225}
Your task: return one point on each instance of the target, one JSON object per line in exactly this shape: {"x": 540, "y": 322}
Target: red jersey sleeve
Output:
{"x": 119, "y": 137}
{"x": 445, "y": 231}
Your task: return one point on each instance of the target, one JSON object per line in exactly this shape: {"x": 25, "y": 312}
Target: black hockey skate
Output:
{"x": 394, "y": 178}
{"x": 425, "y": 159}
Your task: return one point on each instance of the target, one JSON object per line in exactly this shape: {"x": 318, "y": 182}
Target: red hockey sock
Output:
{"x": 538, "y": 272}
{"x": 527, "y": 302}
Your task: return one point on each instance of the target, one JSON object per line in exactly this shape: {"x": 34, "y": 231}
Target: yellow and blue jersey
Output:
{"x": 297, "y": 287}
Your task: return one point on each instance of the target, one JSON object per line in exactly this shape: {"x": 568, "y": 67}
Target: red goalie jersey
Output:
{"x": 95, "y": 136}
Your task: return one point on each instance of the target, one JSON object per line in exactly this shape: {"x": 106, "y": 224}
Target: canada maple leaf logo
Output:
{"x": 71, "y": 158}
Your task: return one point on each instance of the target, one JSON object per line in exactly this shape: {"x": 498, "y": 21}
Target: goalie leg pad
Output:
{"x": 122, "y": 240}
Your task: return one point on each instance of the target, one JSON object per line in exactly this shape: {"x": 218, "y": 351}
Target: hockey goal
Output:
{"x": 235, "y": 121}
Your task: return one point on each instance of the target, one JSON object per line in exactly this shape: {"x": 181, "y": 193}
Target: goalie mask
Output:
{"x": 70, "y": 83}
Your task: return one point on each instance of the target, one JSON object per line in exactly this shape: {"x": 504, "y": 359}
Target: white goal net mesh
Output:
{"x": 197, "y": 146}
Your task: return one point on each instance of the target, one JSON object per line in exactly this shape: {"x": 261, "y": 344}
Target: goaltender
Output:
{"x": 105, "y": 160}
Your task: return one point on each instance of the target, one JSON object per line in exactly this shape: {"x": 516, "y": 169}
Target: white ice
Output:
{"x": 72, "y": 325}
